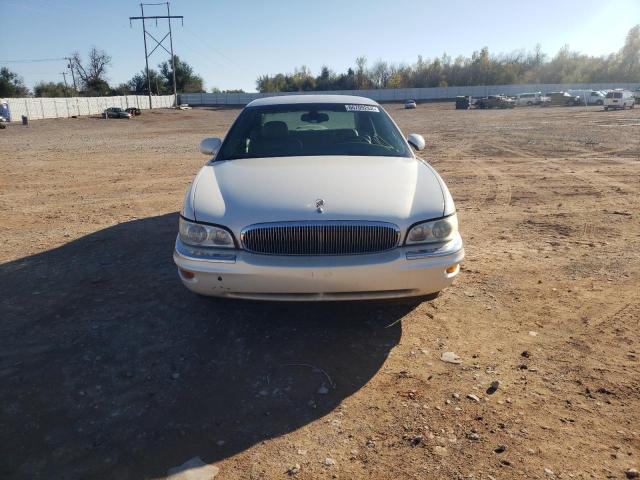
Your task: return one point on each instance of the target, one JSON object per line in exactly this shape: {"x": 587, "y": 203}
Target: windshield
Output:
{"x": 614, "y": 95}
{"x": 313, "y": 129}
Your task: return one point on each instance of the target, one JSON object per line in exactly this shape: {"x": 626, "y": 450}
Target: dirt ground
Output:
{"x": 110, "y": 368}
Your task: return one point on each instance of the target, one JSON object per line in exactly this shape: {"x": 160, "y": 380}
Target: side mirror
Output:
{"x": 210, "y": 146}
{"x": 416, "y": 141}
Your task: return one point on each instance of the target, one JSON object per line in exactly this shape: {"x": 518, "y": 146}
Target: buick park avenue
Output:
{"x": 317, "y": 197}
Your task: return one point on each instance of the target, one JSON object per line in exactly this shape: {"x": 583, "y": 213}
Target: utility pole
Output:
{"x": 70, "y": 67}
{"x": 64, "y": 75}
{"x": 147, "y": 54}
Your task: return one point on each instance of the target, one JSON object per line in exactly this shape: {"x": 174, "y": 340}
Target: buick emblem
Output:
{"x": 320, "y": 205}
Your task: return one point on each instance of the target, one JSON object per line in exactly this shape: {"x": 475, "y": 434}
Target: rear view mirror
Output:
{"x": 416, "y": 141}
{"x": 314, "y": 117}
{"x": 210, "y": 146}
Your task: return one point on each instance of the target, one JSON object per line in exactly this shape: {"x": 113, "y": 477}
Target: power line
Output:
{"x": 209, "y": 47}
{"x": 32, "y": 60}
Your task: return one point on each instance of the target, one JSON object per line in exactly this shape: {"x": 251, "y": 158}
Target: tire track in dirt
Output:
{"x": 498, "y": 183}
{"x": 613, "y": 325}
{"x": 601, "y": 183}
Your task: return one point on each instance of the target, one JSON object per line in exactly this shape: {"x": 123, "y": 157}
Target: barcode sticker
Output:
{"x": 361, "y": 108}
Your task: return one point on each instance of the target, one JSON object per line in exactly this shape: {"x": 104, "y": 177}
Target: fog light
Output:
{"x": 187, "y": 274}
{"x": 452, "y": 269}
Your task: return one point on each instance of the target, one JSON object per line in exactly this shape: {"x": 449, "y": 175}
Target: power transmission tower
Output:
{"x": 147, "y": 54}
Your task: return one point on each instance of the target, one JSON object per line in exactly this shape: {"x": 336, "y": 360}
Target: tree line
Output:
{"x": 91, "y": 79}
{"x": 481, "y": 68}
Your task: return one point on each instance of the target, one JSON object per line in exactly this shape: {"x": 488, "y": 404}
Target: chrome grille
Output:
{"x": 320, "y": 238}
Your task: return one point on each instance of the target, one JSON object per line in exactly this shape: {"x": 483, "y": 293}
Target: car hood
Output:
{"x": 237, "y": 193}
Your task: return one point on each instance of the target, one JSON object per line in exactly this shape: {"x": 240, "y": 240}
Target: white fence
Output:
{"x": 64, "y": 107}
{"x": 401, "y": 94}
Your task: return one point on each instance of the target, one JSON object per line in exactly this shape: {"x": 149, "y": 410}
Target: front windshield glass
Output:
{"x": 313, "y": 129}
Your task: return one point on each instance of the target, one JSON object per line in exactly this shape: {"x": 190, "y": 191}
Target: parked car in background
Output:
{"x": 495, "y": 101}
{"x": 317, "y": 198}
{"x": 619, "y": 99}
{"x": 115, "y": 112}
{"x": 410, "y": 104}
{"x": 4, "y": 110}
{"x": 134, "y": 111}
{"x": 528, "y": 99}
{"x": 563, "y": 99}
{"x": 463, "y": 103}
{"x": 589, "y": 97}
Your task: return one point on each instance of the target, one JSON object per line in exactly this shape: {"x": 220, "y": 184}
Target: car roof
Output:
{"x": 297, "y": 99}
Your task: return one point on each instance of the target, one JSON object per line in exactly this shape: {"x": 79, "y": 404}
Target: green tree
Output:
{"x": 138, "y": 83}
{"x": 481, "y": 68}
{"x": 326, "y": 79}
{"x": 186, "y": 80}
{"x": 233, "y": 90}
{"x": 11, "y": 84}
{"x": 122, "y": 89}
{"x": 362, "y": 80}
{"x": 52, "y": 89}
{"x": 628, "y": 58}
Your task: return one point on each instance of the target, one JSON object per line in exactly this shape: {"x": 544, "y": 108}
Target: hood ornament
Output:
{"x": 320, "y": 205}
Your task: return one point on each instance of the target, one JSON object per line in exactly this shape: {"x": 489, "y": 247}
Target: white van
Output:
{"x": 528, "y": 99}
{"x": 619, "y": 99}
{"x": 589, "y": 97}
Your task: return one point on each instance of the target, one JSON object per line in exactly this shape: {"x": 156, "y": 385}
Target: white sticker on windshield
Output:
{"x": 361, "y": 108}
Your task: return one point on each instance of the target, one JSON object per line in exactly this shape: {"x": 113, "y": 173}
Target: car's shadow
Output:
{"x": 110, "y": 368}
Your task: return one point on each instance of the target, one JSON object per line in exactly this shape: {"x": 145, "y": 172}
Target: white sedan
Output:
{"x": 317, "y": 197}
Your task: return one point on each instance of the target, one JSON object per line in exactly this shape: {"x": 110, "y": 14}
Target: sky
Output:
{"x": 230, "y": 43}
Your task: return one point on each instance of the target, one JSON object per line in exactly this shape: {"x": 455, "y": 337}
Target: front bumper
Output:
{"x": 401, "y": 272}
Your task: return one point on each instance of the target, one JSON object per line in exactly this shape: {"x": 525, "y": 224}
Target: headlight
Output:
{"x": 201, "y": 235}
{"x": 435, "y": 231}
